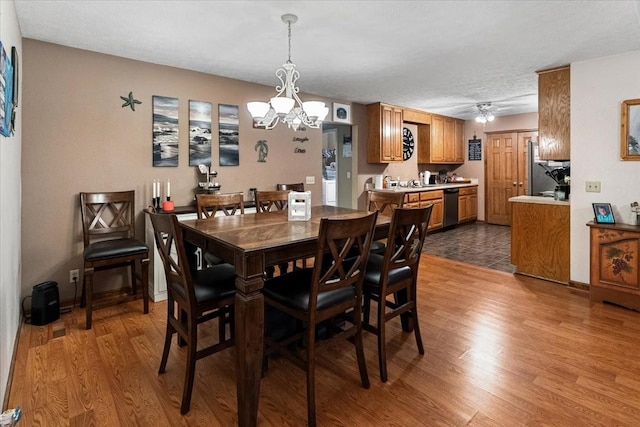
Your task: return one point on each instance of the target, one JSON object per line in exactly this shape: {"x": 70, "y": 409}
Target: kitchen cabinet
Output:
{"x": 424, "y": 198}
{"x": 554, "y": 105}
{"x": 540, "y": 242}
{"x": 615, "y": 264}
{"x": 444, "y": 142}
{"x": 467, "y": 204}
{"x": 385, "y": 133}
{"x": 416, "y": 116}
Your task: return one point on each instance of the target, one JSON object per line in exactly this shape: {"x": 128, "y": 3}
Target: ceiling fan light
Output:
{"x": 490, "y": 117}
{"x": 481, "y": 119}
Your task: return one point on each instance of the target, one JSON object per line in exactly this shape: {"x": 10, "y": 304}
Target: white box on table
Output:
{"x": 300, "y": 206}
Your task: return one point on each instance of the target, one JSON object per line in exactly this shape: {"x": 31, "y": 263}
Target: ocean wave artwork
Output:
{"x": 228, "y": 135}
{"x": 199, "y": 133}
{"x": 165, "y": 131}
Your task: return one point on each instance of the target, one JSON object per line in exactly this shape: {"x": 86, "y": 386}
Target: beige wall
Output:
{"x": 78, "y": 138}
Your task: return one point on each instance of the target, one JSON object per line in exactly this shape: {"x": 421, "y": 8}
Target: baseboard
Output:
{"x": 7, "y": 389}
{"x": 579, "y": 286}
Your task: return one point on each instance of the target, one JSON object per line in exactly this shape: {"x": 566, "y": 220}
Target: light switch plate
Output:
{"x": 592, "y": 186}
{"x": 311, "y": 180}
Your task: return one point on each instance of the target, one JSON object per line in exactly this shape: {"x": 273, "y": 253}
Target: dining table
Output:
{"x": 253, "y": 242}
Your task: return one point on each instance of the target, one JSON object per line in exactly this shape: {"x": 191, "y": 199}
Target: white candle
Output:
{"x": 168, "y": 189}
{"x": 154, "y": 189}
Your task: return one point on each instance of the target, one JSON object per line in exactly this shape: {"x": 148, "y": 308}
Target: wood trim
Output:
{"x": 579, "y": 286}
{"x": 550, "y": 70}
{"x": 511, "y": 131}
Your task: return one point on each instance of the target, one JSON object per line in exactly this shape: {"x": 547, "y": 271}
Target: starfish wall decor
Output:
{"x": 130, "y": 101}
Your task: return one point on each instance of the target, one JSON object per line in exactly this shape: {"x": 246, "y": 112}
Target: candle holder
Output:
{"x": 156, "y": 203}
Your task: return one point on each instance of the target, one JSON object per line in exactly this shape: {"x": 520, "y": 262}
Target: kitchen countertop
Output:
{"x": 539, "y": 200}
{"x": 428, "y": 187}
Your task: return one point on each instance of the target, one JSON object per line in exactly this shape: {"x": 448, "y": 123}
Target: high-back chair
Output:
{"x": 108, "y": 228}
{"x": 228, "y": 203}
{"x": 384, "y": 202}
{"x": 192, "y": 298}
{"x": 298, "y": 186}
{"x": 207, "y": 205}
{"x": 396, "y": 273}
{"x": 316, "y": 295}
{"x": 267, "y": 201}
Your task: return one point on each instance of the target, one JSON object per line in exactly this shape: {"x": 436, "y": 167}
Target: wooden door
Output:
{"x": 449, "y": 140}
{"x": 507, "y": 160}
{"x": 502, "y": 175}
{"x": 436, "y": 149}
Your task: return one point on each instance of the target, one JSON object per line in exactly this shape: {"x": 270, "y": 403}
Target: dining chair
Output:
{"x": 298, "y": 186}
{"x": 383, "y": 202}
{"x": 192, "y": 298}
{"x": 315, "y": 295}
{"x": 267, "y": 201}
{"x": 207, "y": 205}
{"x": 396, "y": 273}
{"x": 108, "y": 228}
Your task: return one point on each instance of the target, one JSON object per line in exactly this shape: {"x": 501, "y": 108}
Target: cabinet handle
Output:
{"x": 520, "y": 184}
{"x": 515, "y": 184}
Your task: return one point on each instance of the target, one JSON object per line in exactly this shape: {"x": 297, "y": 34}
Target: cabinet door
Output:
{"x": 436, "y": 148}
{"x": 437, "y": 214}
{"x": 384, "y": 143}
{"x": 458, "y": 141}
{"x": 473, "y": 207}
{"x": 554, "y": 113}
{"x": 463, "y": 208}
{"x": 449, "y": 140}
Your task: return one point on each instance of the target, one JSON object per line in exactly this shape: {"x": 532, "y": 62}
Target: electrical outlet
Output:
{"x": 592, "y": 186}
{"x": 74, "y": 276}
{"x": 311, "y": 180}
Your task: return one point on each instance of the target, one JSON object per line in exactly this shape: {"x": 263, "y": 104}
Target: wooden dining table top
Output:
{"x": 260, "y": 231}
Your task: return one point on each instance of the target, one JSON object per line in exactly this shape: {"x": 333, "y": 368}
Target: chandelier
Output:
{"x": 286, "y": 106}
{"x": 484, "y": 113}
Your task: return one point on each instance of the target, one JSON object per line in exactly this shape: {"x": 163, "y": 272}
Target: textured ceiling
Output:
{"x": 439, "y": 56}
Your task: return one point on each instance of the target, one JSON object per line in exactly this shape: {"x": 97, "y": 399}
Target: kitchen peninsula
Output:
{"x": 540, "y": 237}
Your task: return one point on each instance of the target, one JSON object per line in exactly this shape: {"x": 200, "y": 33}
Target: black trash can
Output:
{"x": 45, "y": 303}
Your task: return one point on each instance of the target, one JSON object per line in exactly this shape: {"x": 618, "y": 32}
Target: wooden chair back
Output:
{"x": 267, "y": 201}
{"x": 384, "y": 201}
{"x": 229, "y": 203}
{"x": 299, "y": 186}
{"x": 407, "y": 231}
{"x": 107, "y": 215}
{"x": 168, "y": 238}
{"x": 340, "y": 260}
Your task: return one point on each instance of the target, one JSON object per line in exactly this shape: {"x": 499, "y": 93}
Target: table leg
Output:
{"x": 249, "y": 315}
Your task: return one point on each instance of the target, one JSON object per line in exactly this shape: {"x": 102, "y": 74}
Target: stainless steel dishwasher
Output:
{"x": 450, "y": 207}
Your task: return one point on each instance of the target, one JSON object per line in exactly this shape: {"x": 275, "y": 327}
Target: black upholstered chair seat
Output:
{"x": 378, "y": 247}
{"x": 114, "y": 248}
{"x": 213, "y": 283}
{"x": 374, "y": 269}
{"x": 292, "y": 289}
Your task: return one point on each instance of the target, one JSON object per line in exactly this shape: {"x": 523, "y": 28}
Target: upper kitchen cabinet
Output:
{"x": 554, "y": 113}
{"x": 445, "y": 141}
{"x": 416, "y": 116}
{"x": 385, "y": 133}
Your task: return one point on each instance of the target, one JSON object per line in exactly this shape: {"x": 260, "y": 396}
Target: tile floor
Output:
{"x": 482, "y": 244}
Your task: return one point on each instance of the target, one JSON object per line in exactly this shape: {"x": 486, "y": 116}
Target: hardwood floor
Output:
{"x": 500, "y": 350}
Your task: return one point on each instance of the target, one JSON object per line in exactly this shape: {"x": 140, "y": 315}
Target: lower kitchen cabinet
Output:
{"x": 424, "y": 198}
{"x": 615, "y": 268}
{"x": 468, "y": 204}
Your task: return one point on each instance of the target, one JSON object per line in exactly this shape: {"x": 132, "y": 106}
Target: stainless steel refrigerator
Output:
{"x": 544, "y": 174}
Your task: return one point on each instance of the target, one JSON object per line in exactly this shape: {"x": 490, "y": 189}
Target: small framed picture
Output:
{"x": 604, "y": 213}
{"x": 341, "y": 113}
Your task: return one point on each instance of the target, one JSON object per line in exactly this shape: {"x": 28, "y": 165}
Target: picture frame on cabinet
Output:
{"x": 341, "y": 113}
{"x": 630, "y": 130}
{"x": 603, "y": 213}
